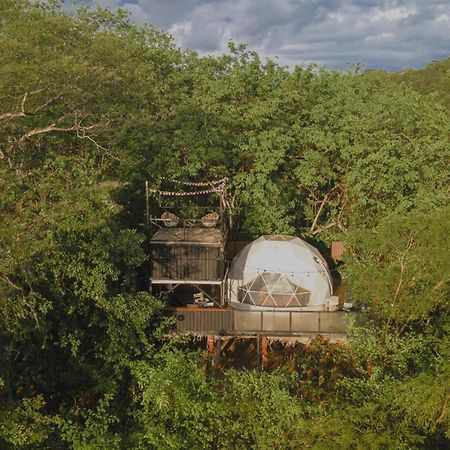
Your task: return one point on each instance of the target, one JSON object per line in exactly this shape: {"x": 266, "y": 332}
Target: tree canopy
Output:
{"x": 92, "y": 105}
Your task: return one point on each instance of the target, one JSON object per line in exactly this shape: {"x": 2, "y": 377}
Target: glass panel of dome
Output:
{"x": 258, "y": 285}
{"x": 258, "y": 298}
{"x": 269, "y": 301}
{"x": 294, "y": 302}
{"x": 303, "y": 298}
{"x": 249, "y": 286}
{"x": 299, "y": 290}
{"x": 242, "y": 293}
{"x": 246, "y": 298}
{"x": 283, "y": 285}
{"x": 283, "y": 300}
{"x": 270, "y": 278}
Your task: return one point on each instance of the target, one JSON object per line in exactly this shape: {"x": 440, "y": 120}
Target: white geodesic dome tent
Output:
{"x": 278, "y": 273}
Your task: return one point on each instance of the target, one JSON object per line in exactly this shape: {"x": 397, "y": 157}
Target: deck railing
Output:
{"x": 185, "y": 225}
{"x": 227, "y": 321}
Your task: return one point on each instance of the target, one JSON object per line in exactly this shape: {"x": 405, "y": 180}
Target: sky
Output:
{"x": 384, "y": 34}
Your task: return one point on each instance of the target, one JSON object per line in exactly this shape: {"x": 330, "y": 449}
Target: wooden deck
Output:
{"x": 229, "y": 322}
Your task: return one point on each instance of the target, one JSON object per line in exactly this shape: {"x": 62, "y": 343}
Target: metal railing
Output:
{"x": 227, "y": 321}
{"x": 181, "y": 229}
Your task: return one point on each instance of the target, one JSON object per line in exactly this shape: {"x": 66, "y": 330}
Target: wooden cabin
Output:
{"x": 187, "y": 254}
{"x": 187, "y": 245}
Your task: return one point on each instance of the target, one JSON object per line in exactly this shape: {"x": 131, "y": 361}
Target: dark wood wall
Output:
{"x": 186, "y": 262}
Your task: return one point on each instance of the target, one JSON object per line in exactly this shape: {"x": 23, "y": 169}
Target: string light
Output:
{"x": 197, "y": 183}
{"x": 277, "y": 270}
{"x": 217, "y": 186}
{"x": 186, "y": 194}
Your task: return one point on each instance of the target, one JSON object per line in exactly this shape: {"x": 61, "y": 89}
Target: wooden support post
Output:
{"x": 210, "y": 344}
{"x": 217, "y": 351}
{"x": 341, "y": 292}
{"x": 264, "y": 353}
{"x": 258, "y": 352}
{"x": 210, "y": 349}
{"x": 214, "y": 348}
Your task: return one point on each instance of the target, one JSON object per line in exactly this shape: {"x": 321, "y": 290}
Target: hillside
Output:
{"x": 433, "y": 80}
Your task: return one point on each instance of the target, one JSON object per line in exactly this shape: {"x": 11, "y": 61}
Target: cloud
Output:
{"x": 388, "y": 34}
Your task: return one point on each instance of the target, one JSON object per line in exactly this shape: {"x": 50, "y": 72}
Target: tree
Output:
{"x": 90, "y": 107}
{"x": 398, "y": 268}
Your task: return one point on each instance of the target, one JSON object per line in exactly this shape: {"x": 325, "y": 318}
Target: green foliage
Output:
{"x": 399, "y": 267}
{"x": 90, "y": 429}
{"x": 175, "y": 403}
{"x": 261, "y": 413}
{"x": 90, "y": 106}
{"x": 432, "y": 81}
{"x": 26, "y": 425}
{"x": 179, "y": 406}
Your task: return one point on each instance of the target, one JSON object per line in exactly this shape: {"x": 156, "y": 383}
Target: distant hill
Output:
{"x": 433, "y": 80}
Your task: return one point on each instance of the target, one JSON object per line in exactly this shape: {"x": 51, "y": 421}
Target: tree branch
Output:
{"x": 316, "y": 218}
{"x": 53, "y": 127}
{"x": 340, "y": 225}
{"x": 323, "y": 203}
{"x": 22, "y": 112}
{"x": 403, "y": 267}
{"x": 441, "y": 412}
{"x": 48, "y": 102}
{"x": 7, "y": 280}
{"x": 326, "y": 227}
{"x": 12, "y": 115}
{"x": 81, "y": 132}
{"x": 408, "y": 139}
{"x": 32, "y": 311}
{"x": 47, "y": 129}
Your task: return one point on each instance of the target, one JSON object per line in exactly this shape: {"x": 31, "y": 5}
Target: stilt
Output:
{"x": 214, "y": 348}
{"x": 210, "y": 349}
{"x": 341, "y": 292}
{"x": 218, "y": 348}
{"x": 264, "y": 352}
{"x": 210, "y": 344}
{"x": 258, "y": 352}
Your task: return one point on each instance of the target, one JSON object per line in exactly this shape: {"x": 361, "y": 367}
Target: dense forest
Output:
{"x": 91, "y": 106}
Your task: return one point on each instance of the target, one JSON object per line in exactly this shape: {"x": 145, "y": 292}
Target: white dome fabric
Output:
{"x": 279, "y": 272}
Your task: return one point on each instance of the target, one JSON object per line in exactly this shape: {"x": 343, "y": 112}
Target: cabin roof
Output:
{"x": 193, "y": 236}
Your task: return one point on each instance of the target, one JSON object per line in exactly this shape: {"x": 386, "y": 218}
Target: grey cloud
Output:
{"x": 389, "y": 34}
{"x": 162, "y": 13}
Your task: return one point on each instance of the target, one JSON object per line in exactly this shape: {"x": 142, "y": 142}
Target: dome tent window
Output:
{"x": 273, "y": 289}
{"x": 280, "y": 272}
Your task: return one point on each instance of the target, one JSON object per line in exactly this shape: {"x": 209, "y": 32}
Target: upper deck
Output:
{"x": 209, "y": 237}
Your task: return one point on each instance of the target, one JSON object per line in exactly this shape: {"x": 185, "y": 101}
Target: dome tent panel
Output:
{"x": 279, "y": 272}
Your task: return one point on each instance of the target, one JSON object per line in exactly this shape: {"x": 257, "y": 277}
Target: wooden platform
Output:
{"x": 191, "y": 282}
{"x": 229, "y": 322}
